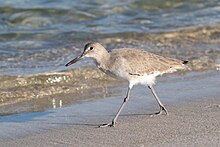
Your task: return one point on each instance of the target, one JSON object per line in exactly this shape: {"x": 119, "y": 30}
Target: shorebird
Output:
{"x": 134, "y": 65}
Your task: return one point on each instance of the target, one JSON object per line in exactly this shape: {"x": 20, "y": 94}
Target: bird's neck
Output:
{"x": 102, "y": 60}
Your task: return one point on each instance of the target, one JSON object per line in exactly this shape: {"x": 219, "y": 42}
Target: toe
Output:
{"x": 112, "y": 124}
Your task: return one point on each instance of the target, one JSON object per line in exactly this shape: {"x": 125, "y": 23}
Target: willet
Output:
{"x": 134, "y": 65}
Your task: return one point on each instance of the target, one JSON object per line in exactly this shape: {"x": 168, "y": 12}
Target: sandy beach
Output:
{"x": 189, "y": 124}
{"x": 193, "y": 119}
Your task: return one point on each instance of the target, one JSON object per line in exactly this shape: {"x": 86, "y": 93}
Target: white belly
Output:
{"x": 137, "y": 79}
{"x": 147, "y": 80}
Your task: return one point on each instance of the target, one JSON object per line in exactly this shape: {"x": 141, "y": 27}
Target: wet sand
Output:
{"x": 193, "y": 103}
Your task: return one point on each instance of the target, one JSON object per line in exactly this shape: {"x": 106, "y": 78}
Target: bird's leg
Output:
{"x": 112, "y": 124}
{"x": 162, "y": 107}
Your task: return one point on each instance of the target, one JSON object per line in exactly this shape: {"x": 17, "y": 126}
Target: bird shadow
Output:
{"x": 140, "y": 114}
{"x": 77, "y": 124}
{"x": 96, "y": 125}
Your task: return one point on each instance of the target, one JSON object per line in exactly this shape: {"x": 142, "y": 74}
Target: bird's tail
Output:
{"x": 185, "y": 62}
{"x": 178, "y": 66}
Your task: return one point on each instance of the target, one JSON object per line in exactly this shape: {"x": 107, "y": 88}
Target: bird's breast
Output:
{"x": 108, "y": 72}
{"x": 117, "y": 74}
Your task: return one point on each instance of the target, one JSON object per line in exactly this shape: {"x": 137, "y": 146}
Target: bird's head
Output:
{"x": 93, "y": 50}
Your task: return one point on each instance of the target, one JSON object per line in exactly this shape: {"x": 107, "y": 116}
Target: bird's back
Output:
{"x": 139, "y": 62}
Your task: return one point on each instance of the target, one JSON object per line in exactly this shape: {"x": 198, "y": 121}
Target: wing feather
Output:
{"x": 139, "y": 62}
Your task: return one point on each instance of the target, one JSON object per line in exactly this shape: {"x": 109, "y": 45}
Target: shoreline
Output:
{"x": 68, "y": 94}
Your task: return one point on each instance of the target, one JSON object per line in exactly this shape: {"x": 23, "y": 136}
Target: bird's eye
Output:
{"x": 91, "y": 48}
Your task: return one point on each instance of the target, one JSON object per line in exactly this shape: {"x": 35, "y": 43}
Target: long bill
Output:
{"x": 74, "y": 60}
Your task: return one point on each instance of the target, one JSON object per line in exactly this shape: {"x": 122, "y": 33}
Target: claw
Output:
{"x": 162, "y": 108}
{"x": 112, "y": 124}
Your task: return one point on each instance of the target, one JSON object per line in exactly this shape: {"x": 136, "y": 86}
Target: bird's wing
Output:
{"x": 138, "y": 62}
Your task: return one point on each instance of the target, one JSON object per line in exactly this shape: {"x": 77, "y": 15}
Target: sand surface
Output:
{"x": 189, "y": 124}
{"x": 194, "y": 120}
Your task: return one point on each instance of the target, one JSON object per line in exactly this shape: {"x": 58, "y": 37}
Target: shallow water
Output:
{"x": 37, "y": 38}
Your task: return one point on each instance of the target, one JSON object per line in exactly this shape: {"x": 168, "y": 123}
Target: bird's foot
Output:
{"x": 162, "y": 108}
{"x": 111, "y": 124}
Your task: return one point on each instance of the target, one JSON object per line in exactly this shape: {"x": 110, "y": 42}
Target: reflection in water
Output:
{"x": 61, "y": 103}
{"x": 54, "y": 104}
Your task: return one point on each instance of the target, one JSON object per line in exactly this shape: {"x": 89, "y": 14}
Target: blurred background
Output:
{"x": 37, "y": 38}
